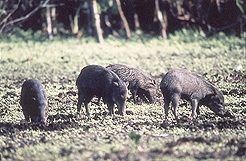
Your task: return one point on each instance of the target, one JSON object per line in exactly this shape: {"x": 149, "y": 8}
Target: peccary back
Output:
{"x": 34, "y": 101}
{"x": 95, "y": 80}
{"x": 181, "y": 84}
{"x": 138, "y": 83}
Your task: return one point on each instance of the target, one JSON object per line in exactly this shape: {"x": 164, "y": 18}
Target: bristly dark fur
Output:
{"x": 182, "y": 84}
{"x": 34, "y": 101}
{"x": 138, "y": 83}
{"x": 95, "y": 80}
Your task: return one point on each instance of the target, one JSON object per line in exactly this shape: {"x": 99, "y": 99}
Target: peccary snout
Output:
{"x": 40, "y": 116}
{"x": 215, "y": 102}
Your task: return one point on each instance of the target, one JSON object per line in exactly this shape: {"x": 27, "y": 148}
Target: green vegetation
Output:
{"x": 140, "y": 134}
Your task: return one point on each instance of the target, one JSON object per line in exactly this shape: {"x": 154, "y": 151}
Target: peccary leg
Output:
{"x": 194, "y": 104}
{"x": 166, "y": 106}
{"x": 110, "y": 108}
{"x": 198, "y": 110}
{"x": 80, "y": 100}
{"x": 79, "y": 106}
{"x": 175, "y": 102}
{"x": 134, "y": 94}
{"x": 26, "y": 114}
{"x": 87, "y": 100}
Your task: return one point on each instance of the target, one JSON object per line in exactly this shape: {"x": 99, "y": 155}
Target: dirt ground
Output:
{"x": 206, "y": 122}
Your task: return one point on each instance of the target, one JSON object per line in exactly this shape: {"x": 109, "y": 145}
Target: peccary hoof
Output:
{"x": 229, "y": 114}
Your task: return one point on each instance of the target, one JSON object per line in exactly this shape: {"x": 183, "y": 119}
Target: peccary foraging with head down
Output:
{"x": 34, "y": 101}
{"x": 181, "y": 84}
{"x": 95, "y": 80}
{"x": 138, "y": 83}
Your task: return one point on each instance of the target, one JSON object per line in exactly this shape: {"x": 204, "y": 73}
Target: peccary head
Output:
{"x": 119, "y": 95}
{"x": 39, "y": 113}
{"x": 216, "y": 103}
{"x": 150, "y": 90}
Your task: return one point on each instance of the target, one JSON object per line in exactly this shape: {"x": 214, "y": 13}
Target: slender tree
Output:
{"x": 122, "y": 16}
{"x": 54, "y": 22}
{"x": 76, "y": 21}
{"x": 49, "y": 24}
{"x": 162, "y": 17}
{"x": 97, "y": 21}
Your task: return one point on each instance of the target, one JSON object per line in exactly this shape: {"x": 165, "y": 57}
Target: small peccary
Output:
{"x": 181, "y": 84}
{"x": 95, "y": 80}
{"x": 34, "y": 101}
{"x": 138, "y": 83}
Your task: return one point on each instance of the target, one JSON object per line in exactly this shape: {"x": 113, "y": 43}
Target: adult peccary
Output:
{"x": 138, "y": 83}
{"x": 95, "y": 80}
{"x": 182, "y": 84}
{"x": 34, "y": 101}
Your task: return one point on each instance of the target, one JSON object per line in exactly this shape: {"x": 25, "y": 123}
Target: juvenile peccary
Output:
{"x": 138, "y": 83}
{"x": 181, "y": 84}
{"x": 95, "y": 80}
{"x": 34, "y": 101}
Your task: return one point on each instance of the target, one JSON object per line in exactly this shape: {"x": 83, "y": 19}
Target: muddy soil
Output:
{"x": 59, "y": 122}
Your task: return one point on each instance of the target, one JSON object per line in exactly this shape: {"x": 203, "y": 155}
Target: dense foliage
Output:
{"x": 77, "y": 17}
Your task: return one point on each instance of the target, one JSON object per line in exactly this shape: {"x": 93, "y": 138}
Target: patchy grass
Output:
{"x": 69, "y": 136}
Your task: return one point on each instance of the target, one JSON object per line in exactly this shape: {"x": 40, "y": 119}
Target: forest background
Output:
{"x": 121, "y": 18}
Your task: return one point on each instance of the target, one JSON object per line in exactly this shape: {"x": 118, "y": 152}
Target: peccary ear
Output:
{"x": 116, "y": 84}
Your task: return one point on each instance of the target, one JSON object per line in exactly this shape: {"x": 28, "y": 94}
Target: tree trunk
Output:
{"x": 165, "y": 24}
{"x": 89, "y": 17}
{"x": 54, "y": 22}
{"x": 76, "y": 21}
{"x": 137, "y": 25}
{"x": 162, "y": 19}
{"x": 179, "y": 8}
{"x": 70, "y": 17}
{"x": 97, "y": 22}
{"x": 49, "y": 24}
{"x": 122, "y": 16}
